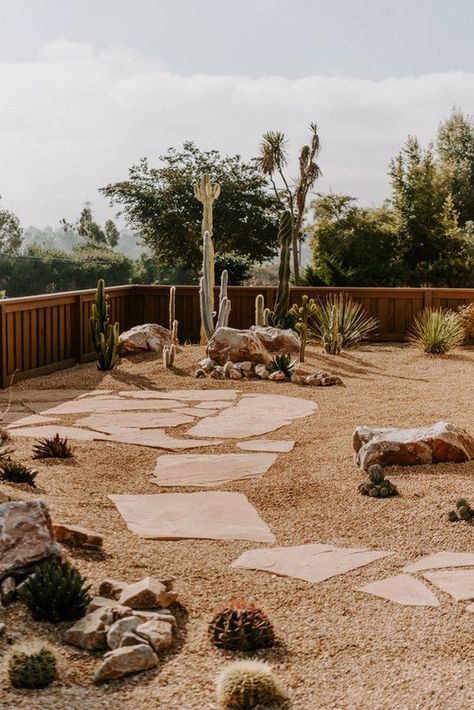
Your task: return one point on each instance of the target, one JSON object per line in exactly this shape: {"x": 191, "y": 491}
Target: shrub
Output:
{"x": 31, "y": 666}
{"x": 241, "y": 626}
{"x": 55, "y": 448}
{"x": 466, "y": 318}
{"x": 436, "y": 331}
{"x": 377, "y": 486}
{"x": 16, "y": 472}
{"x": 245, "y": 684}
{"x": 55, "y": 592}
{"x": 340, "y": 322}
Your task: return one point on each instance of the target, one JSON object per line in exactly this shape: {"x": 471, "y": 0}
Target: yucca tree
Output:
{"x": 436, "y": 331}
{"x": 272, "y": 161}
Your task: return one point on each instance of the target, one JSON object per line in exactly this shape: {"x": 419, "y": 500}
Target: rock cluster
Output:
{"x": 133, "y": 621}
{"x": 251, "y": 371}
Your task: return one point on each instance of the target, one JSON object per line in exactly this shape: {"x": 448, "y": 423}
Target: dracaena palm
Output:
{"x": 273, "y": 154}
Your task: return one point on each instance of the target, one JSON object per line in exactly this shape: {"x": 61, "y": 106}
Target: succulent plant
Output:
{"x": 55, "y": 448}
{"x": 31, "y": 666}
{"x": 377, "y": 486}
{"x": 284, "y": 363}
{"x": 16, "y": 472}
{"x": 243, "y": 685}
{"x": 463, "y": 511}
{"x": 241, "y": 626}
{"x": 55, "y": 592}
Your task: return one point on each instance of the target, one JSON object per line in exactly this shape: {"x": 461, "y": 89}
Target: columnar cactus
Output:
{"x": 173, "y": 323}
{"x": 205, "y": 293}
{"x": 169, "y": 354}
{"x": 301, "y": 315}
{"x": 259, "y": 310}
{"x": 103, "y": 334}
{"x": 207, "y": 194}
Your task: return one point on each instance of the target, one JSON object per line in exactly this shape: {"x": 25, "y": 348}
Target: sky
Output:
{"x": 87, "y": 87}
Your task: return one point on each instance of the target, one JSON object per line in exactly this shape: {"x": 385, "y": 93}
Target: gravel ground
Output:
{"x": 338, "y": 648}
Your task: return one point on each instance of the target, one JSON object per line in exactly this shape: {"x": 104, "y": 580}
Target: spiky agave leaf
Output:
{"x": 436, "y": 331}
{"x": 55, "y": 448}
{"x": 283, "y": 363}
{"x": 16, "y": 472}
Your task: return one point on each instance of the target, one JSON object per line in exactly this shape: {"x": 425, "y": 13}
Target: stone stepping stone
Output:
{"x": 210, "y": 515}
{"x": 402, "y": 589}
{"x": 312, "y": 563}
{"x": 254, "y": 415}
{"x": 139, "y": 420}
{"x": 19, "y": 419}
{"x": 183, "y": 395}
{"x": 49, "y": 431}
{"x": 154, "y": 438}
{"x": 195, "y": 412}
{"x": 459, "y": 583}
{"x": 209, "y": 469}
{"x": 106, "y": 404}
{"x": 214, "y": 404}
{"x": 42, "y": 395}
{"x": 441, "y": 560}
{"x": 279, "y": 447}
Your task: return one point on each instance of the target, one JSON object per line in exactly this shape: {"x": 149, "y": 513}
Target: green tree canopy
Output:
{"x": 455, "y": 146}
{"x": 10, "y": 233}
{"x": 159, "y": 204}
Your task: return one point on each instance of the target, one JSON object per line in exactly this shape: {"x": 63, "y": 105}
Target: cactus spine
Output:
{"x": 169, "y": 354}
{"x": 207, "y": 193}
{"x": 259, "y": 310}
{"x": 103, "y": 334}
{"x": 279, "y": 315}
{"x": 173, "y": 323}
{"x": 205, "y": 293}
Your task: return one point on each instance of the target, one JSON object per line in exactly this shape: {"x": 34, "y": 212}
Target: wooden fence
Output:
{"x": 41, "y": 334}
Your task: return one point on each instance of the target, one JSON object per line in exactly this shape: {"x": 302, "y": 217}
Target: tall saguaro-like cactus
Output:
{"x": 206, "y": 291}
{"x": 103, "y": 334}
{"x": 207, "y": 193}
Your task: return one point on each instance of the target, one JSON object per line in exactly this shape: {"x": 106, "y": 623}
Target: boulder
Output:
{"x": 111, "y": 588}
{"x": 277, "y": 376}
{"x": 90, "y": 632}
{"x": 149, "y": 336}
{"x": 276, "y": 340}
{"x": 148, "y": 593}
{"x": 119, "y": 628}
{"x": 77, "y": 536}
{"x": 7, "y": 590}
{"x": 438, "y": 443}
{"x": 118, "y": 610}
{"x": 26, "y": 536}
{"x": 130, "y": 639}
{"x": 154, "y": 615}
{"x": 126, "y": 660}
{"x": 236, "y": 345}
{"x": 159, "y": 634}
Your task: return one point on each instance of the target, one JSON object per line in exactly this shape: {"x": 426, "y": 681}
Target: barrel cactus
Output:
{"x": 245, "y": 684}
{"x": 377, "y": 486}
{"x": 31, "y": 666}
{"x": 241, "y": 626}
{"x": 463, "y": 511}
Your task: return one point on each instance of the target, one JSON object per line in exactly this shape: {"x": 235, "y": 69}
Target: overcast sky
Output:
{"x": 88, "y": 87}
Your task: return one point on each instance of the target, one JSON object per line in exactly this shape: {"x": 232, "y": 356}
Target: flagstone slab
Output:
{"x": 312, "y": 563}
{"x": 106, "y": 422}
{"x": 209, "y": 469}
{"x": 470, "y": 608}
{"x": 214, "y": 404}
{"x": 17, "y": 419}
{"x": 184, "y": 395}
{"x": 441, "y": 560}
{"x": 105, "y": 404}
{"x": 279, "y": 447}
{"x": 210, "y": 515}
{"x": 254, "y": 415}
{"x": 42, "y": 395}
{"x": 195, "y": 412}
{"x": 459, "y": 583}
{"x": 402, "y": 589}
{"x": 154, "y": 438}
{"x": 70, "y": 432}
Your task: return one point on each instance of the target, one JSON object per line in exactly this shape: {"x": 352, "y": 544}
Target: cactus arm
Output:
{"x": 259, "y": 310}
{"x": 206, "y": 315}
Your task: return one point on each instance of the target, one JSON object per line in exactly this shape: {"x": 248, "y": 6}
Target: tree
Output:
{"x": 112, "y": 234}
{"x": 455, "y": 147}
{"x": 91, "y": 232}
{"x": 159, "y": 204}
{"x": 10, "y": 233}
{"x": 272, "y": 161}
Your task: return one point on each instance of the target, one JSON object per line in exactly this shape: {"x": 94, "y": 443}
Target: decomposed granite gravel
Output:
{"x": 339, "y": 649}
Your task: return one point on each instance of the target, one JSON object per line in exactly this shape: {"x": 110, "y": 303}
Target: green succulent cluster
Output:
{"x": 241, "y": 626}
{"x": 377, "y": 486}
{"x": 55, "y": 592}
{"x": 31, "y": 667}
{"x": 283, "y": 363}
{"x": 463, "y": 511}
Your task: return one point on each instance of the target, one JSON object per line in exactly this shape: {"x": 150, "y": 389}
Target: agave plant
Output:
{"x": 16, "y": 472}
{"x": 55, "y": 448}
{"x": 339, "y": 322}
{"x": 436, "y": 331}
{"x": 284, "y": 363}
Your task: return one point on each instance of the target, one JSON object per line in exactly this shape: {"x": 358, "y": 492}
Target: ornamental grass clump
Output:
{"x": 339, "y": 322}
{"x": 244, "y": 685}
{"x": 55, "y": 592}
{"x": 31, "y": 666}
{"x": 241, "y": 626}
{"x": 436, "y": 331}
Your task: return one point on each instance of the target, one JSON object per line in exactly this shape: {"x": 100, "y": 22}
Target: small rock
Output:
{"x": 77, "y": 536}
{"x": 148, "y": 593}
{"x": 301, "y": 379}
{"x": 159, "y": 634}
{"x": 331, "y": 380}
{"x": 111, "y": 588}
{"x": 119, "y": 628}
{"x": 313, "y": 380}
{"x": 262, "y": 372}
{"x": 119, "y": 610}
{"x": 218, "y": 374}
{"x": 250, "y": 375}
{"x": 130, "y": 639}
{"x": 155, "y": 614}
{"x": 200, "y": 373}
{"x": 7, "y": 590}
{"x": 228, "y": 367}
{"x": 235, "y": 375}
{"x": 123, "y": 661}
{"x": 2, "y": 628}
{"x": 245, "y": 366}
{"x": 277, "y": 376}
{"x": 90, "y": 632}
{"x": 207, "y": 364}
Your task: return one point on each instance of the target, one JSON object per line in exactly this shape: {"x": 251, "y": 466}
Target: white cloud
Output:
{"x": 76, "y": 118}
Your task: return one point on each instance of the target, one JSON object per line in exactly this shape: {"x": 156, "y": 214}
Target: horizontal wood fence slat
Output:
{"x": 41, "y": 334}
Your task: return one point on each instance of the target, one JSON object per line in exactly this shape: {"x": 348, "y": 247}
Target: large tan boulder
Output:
{"x": 90, "y": 632}
{"x": 237, "y": 346}
{"x": 26, "y": 535}
{"x": 276, "y": 340}
{"x": 149, "y": 336}
{"x": 438, "y": 443}
{"x": 126, "y": 660}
